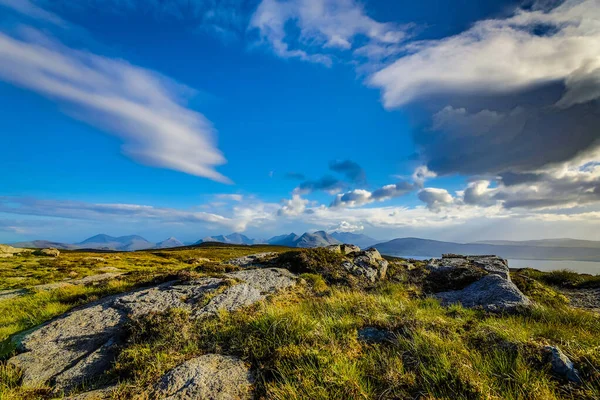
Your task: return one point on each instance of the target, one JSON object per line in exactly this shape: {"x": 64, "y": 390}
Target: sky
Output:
{"x": 452, "y": 120}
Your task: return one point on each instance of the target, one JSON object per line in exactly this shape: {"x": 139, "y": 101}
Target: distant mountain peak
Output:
{"x": 167, "y": 243}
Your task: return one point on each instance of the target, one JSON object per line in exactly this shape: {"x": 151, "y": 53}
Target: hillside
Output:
{"x": 234, "y": 238}
{"x": 317, "y": 324}
{"x": 360, "y": 240}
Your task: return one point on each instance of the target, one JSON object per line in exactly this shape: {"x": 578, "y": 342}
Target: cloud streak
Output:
{"x": 140, "y": 106}
{"x": 322, "y": 25}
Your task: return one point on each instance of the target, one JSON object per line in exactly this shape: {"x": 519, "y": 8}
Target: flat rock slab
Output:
{"x": 587, "y": 299}
{"x": 208, "y": 377}
{"x": 11, "y": 294}
{"x": 492, "y": 293}
{"x": 257, "y": 260}
{"x": 490, "y": 264}
{"x": 77, "y": 347}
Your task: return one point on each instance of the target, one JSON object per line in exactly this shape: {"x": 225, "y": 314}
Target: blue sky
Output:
{"x": 460, "y": 120}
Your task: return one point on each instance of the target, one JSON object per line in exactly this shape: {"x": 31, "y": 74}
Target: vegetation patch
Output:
{"x": 563, "y": 278}
{"x": 306, "y": 344}
{"x": 321, "y": 261}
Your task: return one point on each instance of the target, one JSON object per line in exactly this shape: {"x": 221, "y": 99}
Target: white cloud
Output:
{"x": 503, "y": 55}
{"x": 421, "y": 174}
{"x": 231, "y": 197}
{"x": 322, "y": 25}
{"x": 294, "y": 206}
{"x": 106, "y": 211}
{"x": 346, "y": 226}
{"x": 140, "y": 106}
{"x": 353, "y": 198}
{"x": 435, "y": 198}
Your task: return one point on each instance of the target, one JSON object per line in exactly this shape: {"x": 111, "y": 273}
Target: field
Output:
{"x": 306, "y": 343}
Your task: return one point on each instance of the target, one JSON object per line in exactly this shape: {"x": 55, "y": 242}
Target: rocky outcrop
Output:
{"x": 492, "y": 293}
{"x": 9, "y": 251}
{"x": 368, "y": 264}
{"x": 488, "y": 264}
{"x": 254, "y": 260}
{"x": 475, "y": 281}
{"x": 343, "y": 248}
{"x": 561, "y": 364}
{"x": 209, "y": 377}
{"x": 49, "y": 252}
{"x": 71, "y": 350}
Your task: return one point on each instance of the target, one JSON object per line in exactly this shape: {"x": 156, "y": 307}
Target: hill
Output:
{"x": 360, "y": 240}
{"x": 168, "y": 243}
{"x": 234, "y": 238}
{"x": 308, "y": 239}
{"x": 121, "y": 243}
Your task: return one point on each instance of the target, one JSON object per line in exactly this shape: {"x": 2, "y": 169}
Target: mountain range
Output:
{"x": 547, "y": 249}
{"x": 135, "y": 242}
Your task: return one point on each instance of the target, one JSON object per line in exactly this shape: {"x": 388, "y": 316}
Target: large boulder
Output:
{"x": 492, "y": 293}
{"x": 49, "y": 252}
{"x": 368, "y": 263}
{"x": 208, "y": 377}
{"x": 73, "y": 349}
{"x": 9, "y": 251}
{"x": 356, "y": 269}
{"x": 474, "y": 281}
{"x": 343, "y": 248}
{"x": 485, "y": 264}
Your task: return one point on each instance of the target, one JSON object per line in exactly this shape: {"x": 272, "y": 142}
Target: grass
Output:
{"x": 563, "y": 278}
{"x": 139, "y": 268}
{"x": 304, "y": 344}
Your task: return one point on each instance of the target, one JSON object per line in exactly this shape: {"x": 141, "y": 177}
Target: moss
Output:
{"x": 563, "y": 278}
{"x": 320, "y": 261}
{"x": 539, "y": 292}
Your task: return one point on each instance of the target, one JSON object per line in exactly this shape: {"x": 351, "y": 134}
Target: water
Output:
{"x": 583, "y": 267}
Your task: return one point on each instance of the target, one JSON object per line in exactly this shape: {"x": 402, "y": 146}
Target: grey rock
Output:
{"x": 490, "y": 264}
{"x": 98, "y": 394}
{"x": 343, "y": 248}
{"x": 88, "y": 280}
{"x": 561, "y": 364}
{"x": 49, "y": 252}
{"x": 11, "y": 294}
{"x": 79, "y": 346}
{"x": 368, "y": 263}
{"x": 209, "y": 377}
{"x": 257, "y": 260}
{"x": 371, "y": 334}
{"x": 492, "y": 293}
{"x": 9, "y": 251}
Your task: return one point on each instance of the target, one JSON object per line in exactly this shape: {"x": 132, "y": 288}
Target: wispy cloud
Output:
{"x": 142, "y": 107}
{"x": 31, "y": 10}
{"x": 108, "y": 211}
{"x": 322, "y": 25}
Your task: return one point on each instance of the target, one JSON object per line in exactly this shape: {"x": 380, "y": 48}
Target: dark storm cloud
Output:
{"x": 351, "y": 170}
{"x": 327, "y": 184}
{"x": 522, "y": 139}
